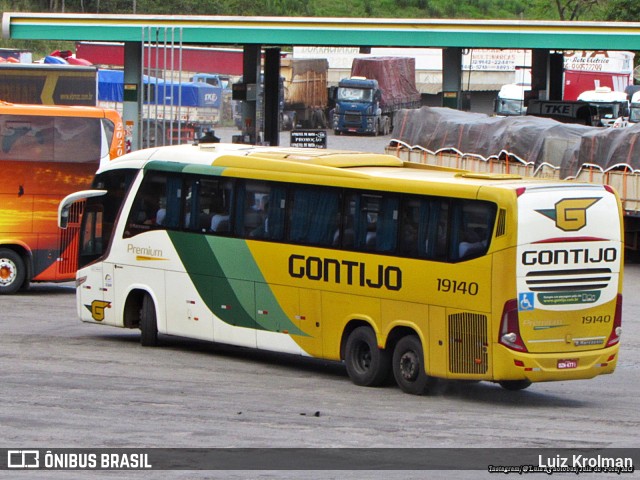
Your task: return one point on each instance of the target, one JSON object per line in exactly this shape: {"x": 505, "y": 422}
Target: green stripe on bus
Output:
{"x": 225, "y": 275}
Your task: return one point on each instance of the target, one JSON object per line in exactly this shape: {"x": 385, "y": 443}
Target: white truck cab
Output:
{"x": 612, "y": 106}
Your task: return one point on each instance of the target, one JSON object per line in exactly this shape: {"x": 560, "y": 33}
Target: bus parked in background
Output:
{"x": 397, "y": 269}
{"x": 49, "y": 84}
{"x": 46, "y": 152}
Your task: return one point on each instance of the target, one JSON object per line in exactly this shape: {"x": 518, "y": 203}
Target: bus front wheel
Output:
{"x": 12, "y": 271}
{"x": 409, "y": 368}
{"x": 148, "y": 323}
{"x": 367, "y": 365}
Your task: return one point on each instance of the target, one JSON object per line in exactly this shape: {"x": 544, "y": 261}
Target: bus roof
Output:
{"x": 291, "y": 164}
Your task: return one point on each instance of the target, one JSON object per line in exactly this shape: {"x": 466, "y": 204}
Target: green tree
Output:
{"x": 622, "y": 11}
{"x": 574, "y": 9}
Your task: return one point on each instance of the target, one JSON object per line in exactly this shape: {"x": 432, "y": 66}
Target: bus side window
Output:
{"x": 75, "y": 139}
{"x": 221, "y": 208}
{"x": 314, "y": 216}
{"x": 473, "y": 227}
{"x": 260, "y": 210}
{"x": 370, "y": 223}
{"x": 219, "y": 214}
{"x": 275, "y": 208}
{"x": 152, "y": 208}
{"x": 255, "y": 213}
{"x": 345, "y": 237}
{"x": 367, "y": 231}
{"x": 92, "y": 235}
{"x": 413, "y": 228}
{"x": 437, "y": 243}
{"x": 387, "y": 224}
{"x": 197, "y": 203}
{"x": 27, "y": 137}
{"x": 50, "y": 138}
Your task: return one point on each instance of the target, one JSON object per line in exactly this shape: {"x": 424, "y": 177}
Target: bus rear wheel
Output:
{"x": 12, "y": 271}
{"x": 367, "y": 365}
{"x": 148, "y": 323}
{"x": 409, "y": 368}
{"x": 515, "y": 385}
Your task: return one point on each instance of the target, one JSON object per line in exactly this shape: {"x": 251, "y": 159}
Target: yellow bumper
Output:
{"x": 546, "y": 367}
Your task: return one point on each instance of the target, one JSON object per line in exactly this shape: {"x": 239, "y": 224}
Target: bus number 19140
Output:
{"x": 447, "y": 285}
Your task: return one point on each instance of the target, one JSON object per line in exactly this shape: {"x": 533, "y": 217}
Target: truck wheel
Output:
{"x": 12, "y": 271}
{"x": 366, "y": 364}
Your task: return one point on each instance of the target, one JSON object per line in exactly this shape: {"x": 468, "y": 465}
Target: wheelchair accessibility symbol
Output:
{"x": 525, "y": 301}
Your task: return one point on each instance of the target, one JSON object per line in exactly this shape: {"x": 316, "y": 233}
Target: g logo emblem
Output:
{"x": 570, "y": 214}
{"x": 97, "y": 309}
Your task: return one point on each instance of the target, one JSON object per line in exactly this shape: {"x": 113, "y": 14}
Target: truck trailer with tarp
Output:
{"x": 527, "y": 146}
{"x": 172, "y": 112}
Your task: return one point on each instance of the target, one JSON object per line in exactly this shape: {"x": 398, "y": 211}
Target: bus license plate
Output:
{"x": 567, "y": 363}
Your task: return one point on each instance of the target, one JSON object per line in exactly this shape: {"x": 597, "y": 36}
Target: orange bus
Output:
{"x": 47, "y": 152}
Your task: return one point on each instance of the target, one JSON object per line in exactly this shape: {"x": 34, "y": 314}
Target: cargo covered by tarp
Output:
{"x": 305, "y": 81}
{"x": 186, "y": 94}
{"x": 531, "y": 140}
{"x": 396, "y": 78}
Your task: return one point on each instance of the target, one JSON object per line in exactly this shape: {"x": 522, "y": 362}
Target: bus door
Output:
{"x": 95, "y": 286}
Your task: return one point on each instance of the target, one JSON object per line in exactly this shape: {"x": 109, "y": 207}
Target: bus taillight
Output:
{"x": 510, "y": 328}
{"x": 616, "y": 330}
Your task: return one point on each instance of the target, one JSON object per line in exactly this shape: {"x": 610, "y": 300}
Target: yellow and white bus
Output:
{"x": 393, "y": 268}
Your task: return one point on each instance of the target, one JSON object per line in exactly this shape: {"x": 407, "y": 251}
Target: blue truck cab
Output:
{"x": 357, "y": 107}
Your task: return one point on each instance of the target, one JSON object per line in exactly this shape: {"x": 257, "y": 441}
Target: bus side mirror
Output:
{"x": 63, "y": 216}
{"x": 65, "y": 205}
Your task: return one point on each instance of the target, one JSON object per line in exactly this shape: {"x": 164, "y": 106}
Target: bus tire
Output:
{"x": 409, "y": 367}
{"x": 148, "y": 323}
{"x": 515, "y": 385}
{"x": 13, "y": 271}
{"x": 367, "y": 365}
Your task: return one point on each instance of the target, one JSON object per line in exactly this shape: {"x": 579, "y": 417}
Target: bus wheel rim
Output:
{"x": 409, "y": 366}
{"x": 7, "y": 271}
{"x": 363, "y": 357}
